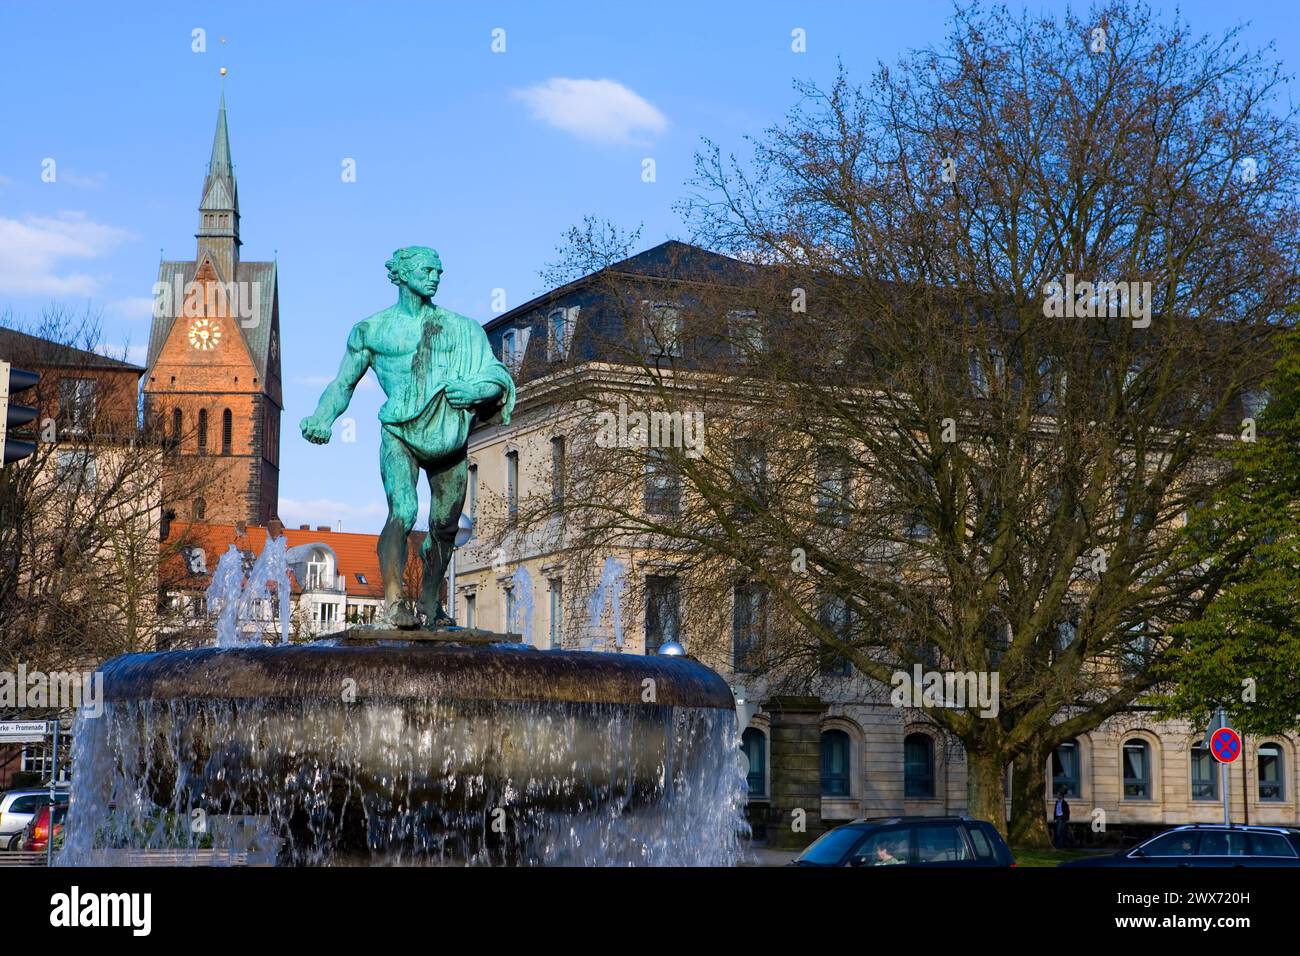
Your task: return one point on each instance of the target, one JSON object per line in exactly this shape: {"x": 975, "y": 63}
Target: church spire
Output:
{"x": 218, "y": 233}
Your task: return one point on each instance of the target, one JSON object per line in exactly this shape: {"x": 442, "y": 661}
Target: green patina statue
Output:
{"x": 440, "y": 376}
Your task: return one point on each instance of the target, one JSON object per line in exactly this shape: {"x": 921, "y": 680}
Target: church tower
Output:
{"x": 213, "y": 371}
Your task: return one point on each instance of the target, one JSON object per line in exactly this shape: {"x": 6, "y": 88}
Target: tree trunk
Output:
{"x": 984, "y": 794}
{"x": 1028, "y": 821}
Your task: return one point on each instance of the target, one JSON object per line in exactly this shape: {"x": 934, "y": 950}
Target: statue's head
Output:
{"x": 417, "y": 267}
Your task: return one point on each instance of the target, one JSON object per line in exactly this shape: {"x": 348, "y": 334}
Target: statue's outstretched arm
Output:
{"x": 338, "y": 393}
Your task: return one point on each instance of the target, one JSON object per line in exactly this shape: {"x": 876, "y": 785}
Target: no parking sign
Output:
{"x": 1225, "y": 745}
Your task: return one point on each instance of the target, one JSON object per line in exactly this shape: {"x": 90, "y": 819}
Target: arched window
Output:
{"x": 754, "y": 744}
{"x": 200, "y": 509}
{"x": 1271, "y": 777}
{"x": 203, "y": 430}
{"x": 227, "y": 427}
{"x": 1065, "y": 769}
{"x": 176, "y": 425}
{"x": 1205, "y": 774}
{"x": 835, "y": 763}
{"x": 918, "y": 766}
{"x": 1137, "y": 770}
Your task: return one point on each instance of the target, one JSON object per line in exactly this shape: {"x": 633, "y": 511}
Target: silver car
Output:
{"x": 17, "y": 807}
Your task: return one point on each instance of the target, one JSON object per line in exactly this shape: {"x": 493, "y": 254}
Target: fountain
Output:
{"x": 427, "y": 752}
{"x": 413, "y": 742}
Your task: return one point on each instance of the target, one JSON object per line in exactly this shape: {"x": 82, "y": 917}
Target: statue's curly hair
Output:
{"x": 396, "y": 266}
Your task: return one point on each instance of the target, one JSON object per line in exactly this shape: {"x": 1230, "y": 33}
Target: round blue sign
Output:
{"x": 1225, "y": 745}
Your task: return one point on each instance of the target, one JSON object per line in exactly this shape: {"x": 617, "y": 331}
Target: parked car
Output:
{"x": 17, "y": 807}
{"x": 37, "y": 834}
{"x": 1208, "y": 844}
{"x": 924, "y": 841}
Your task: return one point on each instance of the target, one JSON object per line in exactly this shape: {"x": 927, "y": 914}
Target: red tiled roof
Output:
{"x": 355, "y": 553}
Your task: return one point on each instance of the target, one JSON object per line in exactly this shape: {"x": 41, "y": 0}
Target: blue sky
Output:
{"x": 489, "y": 157}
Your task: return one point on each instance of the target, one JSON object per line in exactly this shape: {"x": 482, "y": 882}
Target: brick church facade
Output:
{"x": 213, "y": 369}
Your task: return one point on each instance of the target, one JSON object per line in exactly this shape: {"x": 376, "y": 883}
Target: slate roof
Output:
{"x": 15, "y": 344}
{"x": 257, "y": 335}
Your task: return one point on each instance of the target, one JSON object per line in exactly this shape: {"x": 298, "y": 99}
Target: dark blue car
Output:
{"x": 913, "y": 841}
{"x": 1208, "y": 844}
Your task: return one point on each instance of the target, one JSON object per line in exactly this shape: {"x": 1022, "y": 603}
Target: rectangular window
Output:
{"x": 471, "y": 610}
{"x": 663, "y": 609}
{"x": 662, "y": 483}
{"x": 663, "y": 329}
{"x": 508, "y": 607}
{"x": 557, "y": 613}
{"x": 75, "y": 471}
{"x": 1065, "y": 769}
{"x": 744, "y": 333}
{"x": 835, "y": 617}
{"x": 748, "y": 625}
{"x": 77, "y": 403}
{"x": 1205, "y": 774}
{"x": 512, "y": 485}
{"x": 1270, "y": 773}
{"x": 557, "y": 470}
{"x": 471, "y": 502}
{"x": 832, "y": 489}
{"x": 750, "y": 474}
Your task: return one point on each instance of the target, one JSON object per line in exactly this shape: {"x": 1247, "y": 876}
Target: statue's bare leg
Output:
{"x": 446, "y": 500}
{"x": 398, "y": 468}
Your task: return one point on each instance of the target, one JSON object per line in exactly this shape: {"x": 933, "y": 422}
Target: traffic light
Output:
{"x": 15, "y": 380}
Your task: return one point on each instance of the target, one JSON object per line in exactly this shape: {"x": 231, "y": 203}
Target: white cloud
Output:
{"x": 139, "y": 307}
{"x": 81, "y": 180}
{"x": 294, "y": 512}
{"x": 600, "y": 111}
{"x": 33, "y": 249}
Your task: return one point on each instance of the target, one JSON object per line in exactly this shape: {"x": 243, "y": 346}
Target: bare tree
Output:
{"x": 81, "y": 520}
{"x": 928, "y": 441}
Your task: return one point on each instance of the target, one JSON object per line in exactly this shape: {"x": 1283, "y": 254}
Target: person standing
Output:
{"x": 1060, "y": 817}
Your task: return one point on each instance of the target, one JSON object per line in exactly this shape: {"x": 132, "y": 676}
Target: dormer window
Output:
{"x": 663, "y": 328}
{"x": 318, "y": 571}
{"x": 559, "y": 333}
{"x": 514, "y": 344}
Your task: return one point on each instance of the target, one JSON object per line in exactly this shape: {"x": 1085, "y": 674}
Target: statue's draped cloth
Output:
{"x": 419, "y": 413}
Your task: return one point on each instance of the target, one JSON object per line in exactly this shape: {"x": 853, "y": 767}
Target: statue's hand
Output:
{"x": 315, "y": 430}
{"x": 463, "y": 394}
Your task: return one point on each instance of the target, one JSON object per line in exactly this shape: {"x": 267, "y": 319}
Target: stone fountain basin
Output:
{"x": 414, "y": 672}
{"x": 414, "y": 725}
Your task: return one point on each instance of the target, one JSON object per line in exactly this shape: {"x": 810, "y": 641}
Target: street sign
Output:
{"x": 1225, "y": 745}
{"x": 23, "y": 731}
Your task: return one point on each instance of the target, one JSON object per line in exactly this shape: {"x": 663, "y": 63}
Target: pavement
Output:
{"x": 767, "y": 857}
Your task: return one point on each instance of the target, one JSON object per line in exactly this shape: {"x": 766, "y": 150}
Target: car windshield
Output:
{"x": 830, "y": 847}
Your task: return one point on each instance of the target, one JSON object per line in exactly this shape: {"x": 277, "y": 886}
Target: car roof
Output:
{"x": 1244, "y": 827}
{"x": 888, "y": 821}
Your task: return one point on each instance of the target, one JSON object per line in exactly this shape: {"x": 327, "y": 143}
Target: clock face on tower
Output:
{"x": 205, "y": 334}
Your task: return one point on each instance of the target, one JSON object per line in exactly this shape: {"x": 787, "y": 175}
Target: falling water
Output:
{"x": 239, "y": 602}
{"x": 489, "y": 782}
{"x": 609, "y": 592}
{"x": 523, "y": 607}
